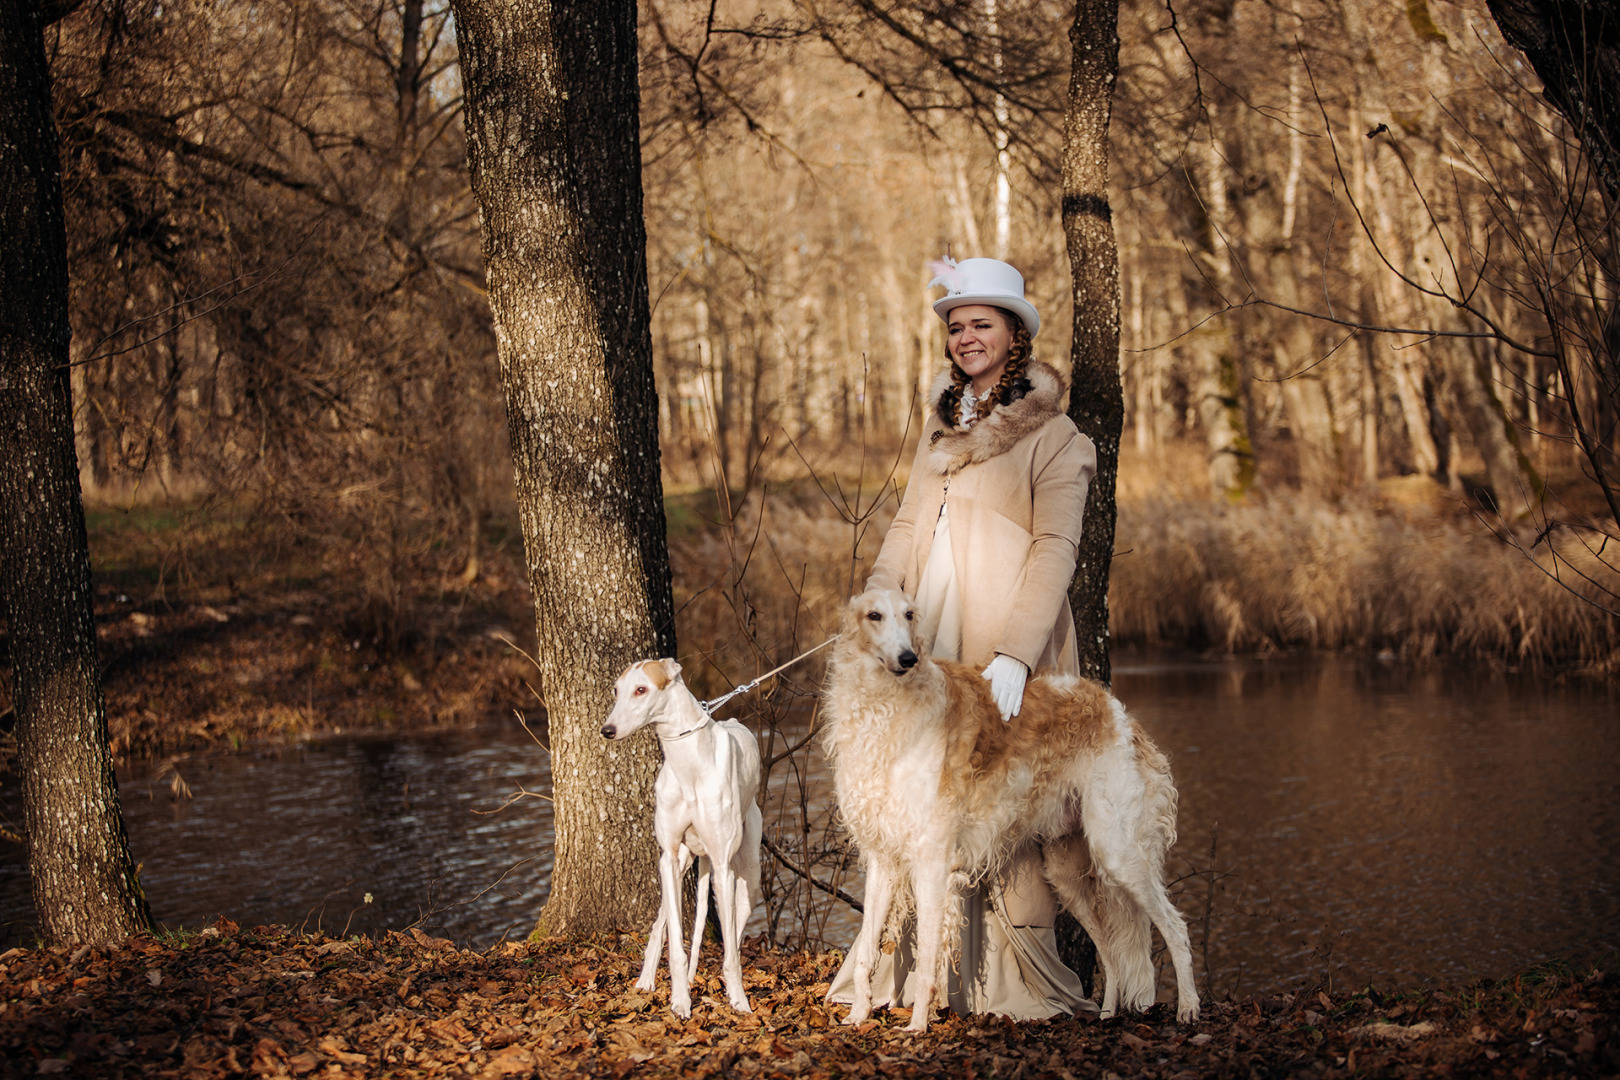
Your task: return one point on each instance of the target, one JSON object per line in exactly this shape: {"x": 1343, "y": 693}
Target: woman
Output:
{"x": 985, "y": 542}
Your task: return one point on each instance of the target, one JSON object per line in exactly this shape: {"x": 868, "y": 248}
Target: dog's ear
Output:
{"x": 666, "y": 672}
{"x": 852, "y": 611}
{"x": 921, "y": 643}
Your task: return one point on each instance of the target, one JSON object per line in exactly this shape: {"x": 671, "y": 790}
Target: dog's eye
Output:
{"x": 640, "y": 690}
{"x": 910, "y": 615}
{"x": 875, "y": 616}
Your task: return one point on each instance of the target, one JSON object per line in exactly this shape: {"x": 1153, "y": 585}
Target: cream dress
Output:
{"x": 1002, "y": 969}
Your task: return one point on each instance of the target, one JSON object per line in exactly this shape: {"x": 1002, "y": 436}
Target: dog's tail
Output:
{"x": 1160, "y": 801}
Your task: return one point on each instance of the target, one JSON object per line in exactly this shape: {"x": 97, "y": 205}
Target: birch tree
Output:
{"x": 552, "y": 143}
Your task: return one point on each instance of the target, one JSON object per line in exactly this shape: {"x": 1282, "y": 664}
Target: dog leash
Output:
{"x": 710, "y": 706}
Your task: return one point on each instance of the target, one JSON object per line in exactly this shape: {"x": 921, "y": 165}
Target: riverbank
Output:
{"x": 265, "y": 1001}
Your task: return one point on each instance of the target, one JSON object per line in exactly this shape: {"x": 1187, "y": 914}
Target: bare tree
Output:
{"x": 84, "y": 882}
{"x": 552, "y": 142}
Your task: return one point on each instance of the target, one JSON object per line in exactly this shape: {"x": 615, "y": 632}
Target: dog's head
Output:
{"x": 639, "y": 696}
{"x": 883, "y": 624}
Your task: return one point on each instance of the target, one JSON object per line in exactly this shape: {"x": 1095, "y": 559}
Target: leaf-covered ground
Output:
{"x": 268, "y": 1002}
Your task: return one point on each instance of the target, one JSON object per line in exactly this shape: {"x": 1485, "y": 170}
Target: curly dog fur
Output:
{"x": 938, "y": 791}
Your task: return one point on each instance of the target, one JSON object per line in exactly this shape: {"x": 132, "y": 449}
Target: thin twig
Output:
{"x": 830, "y": 890}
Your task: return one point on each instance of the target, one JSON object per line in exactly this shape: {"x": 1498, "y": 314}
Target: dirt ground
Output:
{"x": 268, "y": 1002}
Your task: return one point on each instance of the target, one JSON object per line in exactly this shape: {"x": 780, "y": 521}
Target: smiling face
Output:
{"x": 979, "y": 339}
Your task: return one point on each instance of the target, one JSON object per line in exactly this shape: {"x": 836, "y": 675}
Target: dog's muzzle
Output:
{"x": 907, "y": 660}
{"x": 609, "y": 731}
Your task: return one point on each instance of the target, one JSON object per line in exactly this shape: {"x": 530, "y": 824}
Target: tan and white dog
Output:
{"x": 707, "y": 806}
{"x": 937, "y": 791}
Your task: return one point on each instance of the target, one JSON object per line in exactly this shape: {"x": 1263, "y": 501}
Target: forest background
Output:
{"x": 1367, "y": 350}
{"x": 288, "y": 399}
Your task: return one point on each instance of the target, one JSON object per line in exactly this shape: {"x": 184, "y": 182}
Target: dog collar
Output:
{"x": 707, "y": 721}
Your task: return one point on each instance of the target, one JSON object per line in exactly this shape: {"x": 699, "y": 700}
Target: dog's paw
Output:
{"x": 857, "y": 1015}
{"x": 741, "y": 1005}
{"x": 1186, "y": 1014}
{"x": 646, "y": 983}
{"x": 682, "y": 1009}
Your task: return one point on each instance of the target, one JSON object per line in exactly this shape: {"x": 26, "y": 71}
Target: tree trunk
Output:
{"x": 1574, "y": 49}
{"x": 552, "y": 143}
{"x": 1516, "y": 488}
{"x": 84, "y": 883}
{"x": 1096, "y": 401}
{"x": 1304, "y": 387}
{"x": 1218, "y": 385}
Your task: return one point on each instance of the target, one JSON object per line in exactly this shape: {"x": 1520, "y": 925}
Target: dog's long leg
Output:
{"x": 700, "y": 913}
{"x": 655, "y": 947}
{"x": 655, "y": 937}
{"x": 744, "y": 866}
{"x": 725, "y": 895}
{"x": 671, "y": 867}
{"x": 748, "y": 866}
{"x": 932, "y": 892}
{"x": 1069, "y": 870}
{"x": 879, "y": 895}
{"x": 1150, "y": 894}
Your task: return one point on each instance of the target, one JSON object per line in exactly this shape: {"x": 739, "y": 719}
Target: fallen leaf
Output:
{"x": 331, "y": 1049}
{"x": 431, "y": 942}
{"x": 514, "y": 1059}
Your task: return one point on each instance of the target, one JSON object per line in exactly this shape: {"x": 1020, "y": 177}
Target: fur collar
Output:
{"x": 950, "y": 449}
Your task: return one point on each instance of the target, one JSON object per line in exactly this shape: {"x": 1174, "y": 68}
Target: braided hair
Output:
{"x": 1013, "y": 384}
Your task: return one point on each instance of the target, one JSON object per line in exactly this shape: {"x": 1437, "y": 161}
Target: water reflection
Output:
{"x": 1339, "y": 820}
{"x": 302, "y": 837}
{"x": 1370, "y": 825}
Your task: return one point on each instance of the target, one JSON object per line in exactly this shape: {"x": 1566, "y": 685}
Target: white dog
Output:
{"x": 938, "y": 790}
{"x": 707, "y": 792}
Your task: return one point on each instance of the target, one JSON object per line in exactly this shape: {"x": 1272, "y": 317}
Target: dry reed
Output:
{"x": 1301, "y": 573}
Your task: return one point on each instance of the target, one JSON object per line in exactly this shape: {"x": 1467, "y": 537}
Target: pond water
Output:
{"x": 1340, "y": 820}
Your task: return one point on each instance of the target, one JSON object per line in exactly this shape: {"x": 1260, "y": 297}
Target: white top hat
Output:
{"x": 983, "y": 281}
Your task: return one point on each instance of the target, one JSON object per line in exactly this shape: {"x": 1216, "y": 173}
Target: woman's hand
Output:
{"x": 1007, "y": 677}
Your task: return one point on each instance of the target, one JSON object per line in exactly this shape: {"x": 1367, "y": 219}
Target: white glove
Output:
{"x": 1007, "y": 678}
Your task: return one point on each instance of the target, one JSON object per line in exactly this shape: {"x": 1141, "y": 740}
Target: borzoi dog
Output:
{"x": 937, "y": 791}
{"x": 707, "y": 792}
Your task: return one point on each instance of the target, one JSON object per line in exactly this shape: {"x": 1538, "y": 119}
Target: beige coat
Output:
{"x": 1016, "y": 485}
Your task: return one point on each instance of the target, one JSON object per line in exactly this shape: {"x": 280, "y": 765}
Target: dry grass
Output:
{"x": 1295, "y": 572}
{"x": 1411, "y": 570}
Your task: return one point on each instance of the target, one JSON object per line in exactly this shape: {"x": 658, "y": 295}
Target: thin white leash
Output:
{"x": 710, "y": 706}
